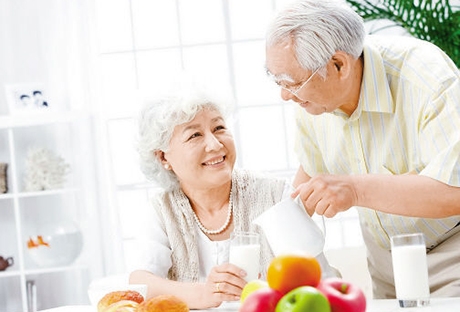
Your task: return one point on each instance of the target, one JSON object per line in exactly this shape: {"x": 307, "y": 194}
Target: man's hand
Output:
{"x": 327, "y": 194}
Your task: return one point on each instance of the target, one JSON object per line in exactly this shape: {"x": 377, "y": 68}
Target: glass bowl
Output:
{"x": 55, "y": 244}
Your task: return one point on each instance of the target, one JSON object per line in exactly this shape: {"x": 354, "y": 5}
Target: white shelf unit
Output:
{"x": 22, "y": 212}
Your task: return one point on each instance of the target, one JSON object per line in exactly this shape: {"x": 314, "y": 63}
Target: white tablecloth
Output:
{"x": 436, "y": 305}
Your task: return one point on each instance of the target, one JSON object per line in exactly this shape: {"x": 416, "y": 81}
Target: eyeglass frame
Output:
{"x": 297, "y": 90}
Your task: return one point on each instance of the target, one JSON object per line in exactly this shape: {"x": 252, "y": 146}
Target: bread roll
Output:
{"x": 122, "y": 306}
{"x": 116, "y": 296}
{"x": 163, "y": 303}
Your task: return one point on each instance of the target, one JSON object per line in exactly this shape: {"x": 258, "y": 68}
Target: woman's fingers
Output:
{"x": 228, "y": 279}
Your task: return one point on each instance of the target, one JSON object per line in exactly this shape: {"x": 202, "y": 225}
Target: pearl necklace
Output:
{"x": 223, "y": 227}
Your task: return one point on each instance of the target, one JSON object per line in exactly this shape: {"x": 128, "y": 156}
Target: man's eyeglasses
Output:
{"x": 295, "y": 91}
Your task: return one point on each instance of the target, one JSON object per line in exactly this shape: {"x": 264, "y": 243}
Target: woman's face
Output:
{"x": 202, "y": 152}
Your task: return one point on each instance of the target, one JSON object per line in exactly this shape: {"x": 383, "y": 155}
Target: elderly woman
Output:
{"x": 186, "y": 147}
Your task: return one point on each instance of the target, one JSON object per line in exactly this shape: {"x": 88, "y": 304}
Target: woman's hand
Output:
{"x": 224, "y": 283}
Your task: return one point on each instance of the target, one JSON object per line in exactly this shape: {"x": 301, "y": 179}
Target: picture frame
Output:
{"x": 26, "y": 98}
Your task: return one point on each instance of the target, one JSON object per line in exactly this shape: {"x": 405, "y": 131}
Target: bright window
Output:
{"x": 144, "y": 42}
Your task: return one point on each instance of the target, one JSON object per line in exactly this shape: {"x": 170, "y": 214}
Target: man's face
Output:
{"x": 314, "y": 95}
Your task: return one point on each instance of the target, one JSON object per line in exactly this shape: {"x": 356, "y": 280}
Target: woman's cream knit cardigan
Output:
{"x": 251, "y": 194}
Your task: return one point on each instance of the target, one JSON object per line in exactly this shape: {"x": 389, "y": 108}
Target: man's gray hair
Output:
{"x": 318, "y": 29}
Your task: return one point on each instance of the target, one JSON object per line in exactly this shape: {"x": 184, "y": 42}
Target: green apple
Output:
{"x": 304, "y": 298}
{"x": 252, "y": 286}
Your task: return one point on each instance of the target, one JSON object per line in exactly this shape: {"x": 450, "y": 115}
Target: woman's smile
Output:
{"x": 214, "y": 161}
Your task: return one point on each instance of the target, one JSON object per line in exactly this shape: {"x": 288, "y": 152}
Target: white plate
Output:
{"x": 73, "y": 308}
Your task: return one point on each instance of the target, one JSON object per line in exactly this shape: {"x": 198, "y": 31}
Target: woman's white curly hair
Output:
{"x": 160, "y": 116}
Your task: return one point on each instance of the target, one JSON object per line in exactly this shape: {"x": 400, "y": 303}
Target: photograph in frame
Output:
{"x": 26, "y": 98}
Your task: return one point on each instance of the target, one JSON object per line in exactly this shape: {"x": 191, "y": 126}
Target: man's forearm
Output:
{"x": 409, "y": 195}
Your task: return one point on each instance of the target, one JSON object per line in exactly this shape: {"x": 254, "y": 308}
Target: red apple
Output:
{"x": 343, "y": 296}
{"x": 261, "y": 300}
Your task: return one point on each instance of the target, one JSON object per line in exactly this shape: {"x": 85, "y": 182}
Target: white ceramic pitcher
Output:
{"x": 289, "y": 229}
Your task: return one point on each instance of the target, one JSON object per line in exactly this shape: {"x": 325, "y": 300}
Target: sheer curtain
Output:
{"x": 50, "y": 42}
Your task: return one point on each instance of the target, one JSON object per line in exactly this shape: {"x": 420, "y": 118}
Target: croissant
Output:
{"x": 122, "y": 306}
{"x": 125, "y": 300}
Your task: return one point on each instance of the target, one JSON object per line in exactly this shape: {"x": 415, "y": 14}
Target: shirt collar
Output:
{"x": 375, "y": 93}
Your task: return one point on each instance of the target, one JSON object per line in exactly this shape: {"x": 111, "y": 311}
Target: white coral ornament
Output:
{"x": 44, "y": 170}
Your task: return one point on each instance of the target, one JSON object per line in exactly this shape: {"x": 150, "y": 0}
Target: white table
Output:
{"x": 436, "y": 305}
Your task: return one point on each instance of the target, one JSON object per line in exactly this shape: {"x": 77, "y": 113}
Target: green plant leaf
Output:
{"x": 431, "y": 20}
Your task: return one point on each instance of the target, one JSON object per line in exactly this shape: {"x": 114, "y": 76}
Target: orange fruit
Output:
{"x": 290, "y": 271}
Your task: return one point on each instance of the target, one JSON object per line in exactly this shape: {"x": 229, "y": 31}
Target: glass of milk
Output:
{"x": 408, "y": 252}
{"x": 245, "y": 253}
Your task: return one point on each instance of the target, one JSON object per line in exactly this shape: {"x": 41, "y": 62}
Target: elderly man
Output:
{"x": 378, "y": 128}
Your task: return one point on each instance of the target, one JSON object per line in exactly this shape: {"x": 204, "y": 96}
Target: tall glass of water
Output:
{"x": 410, "y": 270}
{"x": 245, "y": 253}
